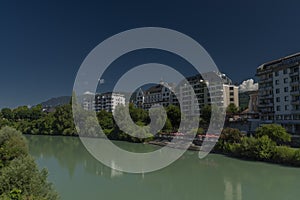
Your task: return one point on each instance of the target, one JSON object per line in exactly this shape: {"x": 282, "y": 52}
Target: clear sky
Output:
{"x": 43, "y": 43}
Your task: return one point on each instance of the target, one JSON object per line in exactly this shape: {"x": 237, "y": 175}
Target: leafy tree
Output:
{"x": 7, "y": 113}
{"x": 20, "y": 177}
{"x": 105, "y": 119}
{"x": 228, "y": 137}
{"x": 21, "y": 112}
{"x": 274, "y": 131}
{"x": 168, "y": 128}
{"x": 138, "y": 114}
{"x": 232, "y": 109}
{"x": 63, "y": 120}
{"x": 257, "y": 148}
{"x": 174, "y": 115}
{"x": 206, "y": 113}
{"x": 231, "y": 135}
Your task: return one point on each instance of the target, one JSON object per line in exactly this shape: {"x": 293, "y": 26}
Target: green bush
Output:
{"x": 257, "y": 148}
{"x": 20, "y": 177}
{"x": 275, "y": 132}
{"x": 283, "y": 154}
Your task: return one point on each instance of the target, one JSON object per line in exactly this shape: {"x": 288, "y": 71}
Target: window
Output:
{"x": 286, "y": 89}
{"x": 286, "y": 80}
{"x": 285, "y": 71}
{"x": 230, "y": 88}
{"x": 231, "y": 99}
{"x": 231, "y": 93}
{"x": 277, "y": 91}
{"x": 286, "y": 98}
{"x": 277, "y": 73}
{"x": 277, "y": 82}
{"x": 278, "y": 108}
{"x": 286, "y": 107}
{"x": 278, "y": 99}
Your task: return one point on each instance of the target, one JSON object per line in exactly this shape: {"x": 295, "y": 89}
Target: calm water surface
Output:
{"x": 77, "y": 175}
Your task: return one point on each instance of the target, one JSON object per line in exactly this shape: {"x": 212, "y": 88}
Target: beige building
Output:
{"x": 231, "y": 95}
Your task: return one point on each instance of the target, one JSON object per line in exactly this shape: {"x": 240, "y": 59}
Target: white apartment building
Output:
{"x": 210, "y": 87}
{"x": 279, "y": 92}
{"x": 108, "y": 101}
{"x": 88, "y": 101}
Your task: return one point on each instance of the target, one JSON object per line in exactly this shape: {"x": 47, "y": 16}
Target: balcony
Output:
{"x": 294, "y": 73}
{"x": 295, "y": 83}
{"x": 295, "y": 92}
{"x": 266, "y": 80}
{"x": 295, "y": 111}
{"x": 296, "y": 102}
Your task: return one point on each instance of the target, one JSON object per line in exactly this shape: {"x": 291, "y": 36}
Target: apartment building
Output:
{"x": 108, "y": 101}
{"x": 156, "y": 95}
{"x": 209, "y": 87}
{"x": 279, "y": 94}
{"x": 221, "y": 92}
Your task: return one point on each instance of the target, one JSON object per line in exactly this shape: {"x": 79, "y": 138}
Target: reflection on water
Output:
{"x": 77, "y": 175}
{"x": 232, "y": 192}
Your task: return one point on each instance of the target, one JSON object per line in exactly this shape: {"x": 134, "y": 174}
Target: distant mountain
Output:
{"x": 53, "y": 102}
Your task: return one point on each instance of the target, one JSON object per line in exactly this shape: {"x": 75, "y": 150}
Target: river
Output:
{"x": 76, "y": 175}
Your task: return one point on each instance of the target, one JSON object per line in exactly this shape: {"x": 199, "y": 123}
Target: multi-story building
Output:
{"x": 231, "y": 95}
{"x": 156, "y": 95}
{"x": 279, "y": 92}
{"x": 209, "y": 87}
{"x": 88, "y": 101}
{"x": 108, "y": 101}
{"x": 221, "y": 92}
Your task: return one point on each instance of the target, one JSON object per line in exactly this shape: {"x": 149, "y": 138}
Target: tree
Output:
{"x": 231, "y": 135}
{"x": 22, "y": 112}
{"x": 20, "y": 177}
{"x": 7, "y": 113}
{"x": 174, "y": 115}
{"x": 232, "y": 109}
{"x": 275, "y": 132}
{"x": 206, "y": 113}
{"x": 105, "y": 120}
{"x": 257, "y": 148}
{"x": 168, "y": 128}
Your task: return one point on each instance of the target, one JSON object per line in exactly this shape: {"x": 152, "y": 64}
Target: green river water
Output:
{"x": 76, "y": 175}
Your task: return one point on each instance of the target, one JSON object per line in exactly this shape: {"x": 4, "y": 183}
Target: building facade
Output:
{"x": 221, "y": 92}
{"x": 108, "y": 101}
{"x": 279, "y": 92}
{"x": 156, "y": 95}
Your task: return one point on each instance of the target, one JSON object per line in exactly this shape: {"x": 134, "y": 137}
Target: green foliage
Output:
{"x": 284, "y": 154}
{"x": 20, "y": 177}
{"x": 206, "y": 113}
{"x": 232, "y": 109}
{"x": 275, "y": 132}
{"x": 7, "y": 113}
{"x": 258, "y": 149}
{"x": 12, "y": 145}
{"x": 168, "y": 128}
{"x": 105, "y": 119}
{"x": 174, "y": 115}
{"x": 228, "y": 137}
{"x": 231, "y": 135}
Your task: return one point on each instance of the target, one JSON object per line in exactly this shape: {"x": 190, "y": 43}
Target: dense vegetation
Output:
{"x": 60, "y": 121}
{"x": 267, "y": 145}
{"x": 20, "y": 177}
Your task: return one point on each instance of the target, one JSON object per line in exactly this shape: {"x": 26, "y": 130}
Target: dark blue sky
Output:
{"x": 42, "y": 44}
